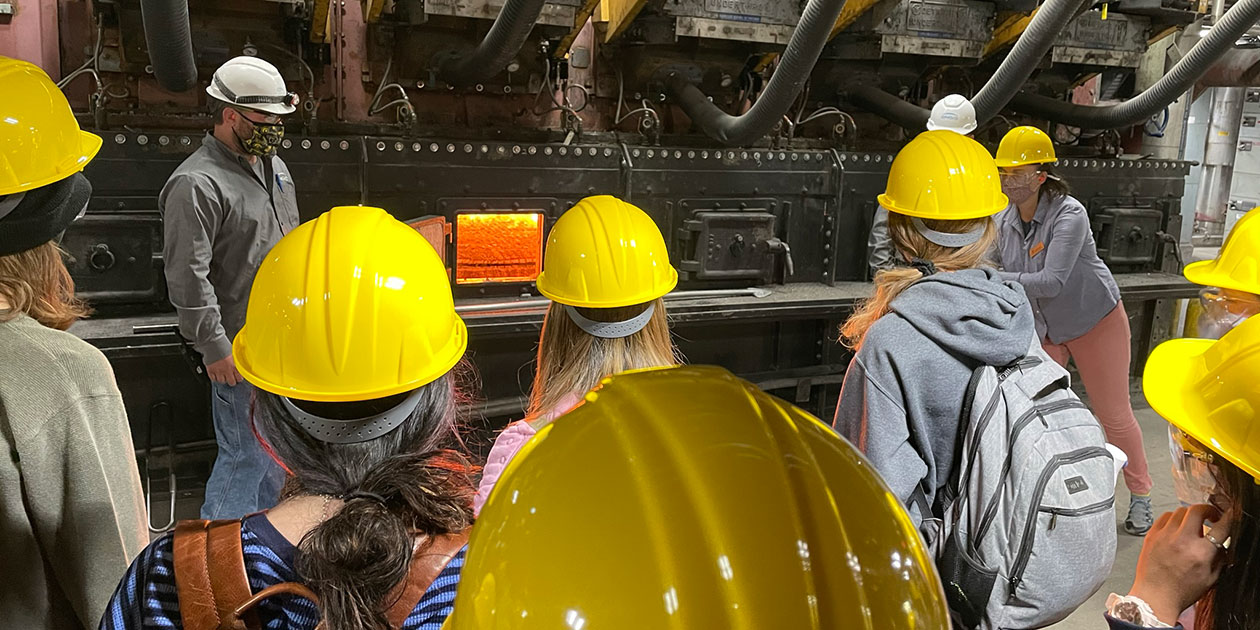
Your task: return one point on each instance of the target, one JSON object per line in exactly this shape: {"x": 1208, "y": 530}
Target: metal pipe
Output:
{"x": 1212, "y": 203}
{"x": 785, "y": 84}
{"x": 670, "y": 297}
{"x": 1220, "y": 39}
{"x": 506, "y": 36}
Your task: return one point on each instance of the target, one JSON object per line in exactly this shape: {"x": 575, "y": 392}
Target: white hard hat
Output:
{"x": 252, "y": 83}
{"x": 953, "y": 113}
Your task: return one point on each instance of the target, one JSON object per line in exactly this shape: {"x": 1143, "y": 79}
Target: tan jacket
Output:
{"x": 72, "y": 511}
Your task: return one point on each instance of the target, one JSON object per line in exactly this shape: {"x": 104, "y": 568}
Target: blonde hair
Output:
{"x": 572, "y": 361}
{"x": 36, "y": 283}
{"x": 890, "y": 283}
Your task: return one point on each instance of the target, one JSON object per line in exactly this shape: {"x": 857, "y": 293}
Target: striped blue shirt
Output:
{"x": 147, "y": 598}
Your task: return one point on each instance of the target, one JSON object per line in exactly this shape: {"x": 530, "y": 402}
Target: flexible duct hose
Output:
{"x": 1023, "y": 58}
{"x": 873, "y": 99}
{"x": 169, "y": 39}
{"x": 1219, "y": 39}
{"x": 785, "y": 84}
{"x": 507, "y": 35}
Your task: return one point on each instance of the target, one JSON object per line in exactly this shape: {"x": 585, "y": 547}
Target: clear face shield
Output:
{"x": 1223, "y": 309}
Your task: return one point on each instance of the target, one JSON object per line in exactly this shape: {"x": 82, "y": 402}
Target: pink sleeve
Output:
{"x": 505, "y": 447}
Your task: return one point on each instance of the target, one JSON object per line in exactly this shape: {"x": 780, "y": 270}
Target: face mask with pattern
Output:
{"x": 264, "y": 139}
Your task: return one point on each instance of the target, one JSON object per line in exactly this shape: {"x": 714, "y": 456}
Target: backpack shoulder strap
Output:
{"x": 210, "y": 574}
{"x": 426, "y": 564}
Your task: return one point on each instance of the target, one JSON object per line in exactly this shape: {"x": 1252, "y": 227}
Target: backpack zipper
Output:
{"x": 1030, "y": 525}
{"x": 1080, "y": 511}
{"x": 1037, "y": 411}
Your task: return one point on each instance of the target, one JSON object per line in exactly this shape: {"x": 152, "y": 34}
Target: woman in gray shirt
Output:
{"x": 1046, "y": 245}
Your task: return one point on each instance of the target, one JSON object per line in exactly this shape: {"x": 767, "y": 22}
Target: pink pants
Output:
{"x": 1102, "y": 357}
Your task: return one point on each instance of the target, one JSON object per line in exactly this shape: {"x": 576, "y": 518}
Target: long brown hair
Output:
{"x": 572, "y": 361}
{"x": 412, "y": 482}
{"x": 890, "y": 283}
{"x": 1231, "y": 604}
{"x": 36, "y": 283}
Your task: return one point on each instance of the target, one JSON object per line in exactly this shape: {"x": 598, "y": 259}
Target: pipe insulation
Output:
{"x": 508, "y": 33}
{"x": 169, "y": 38}
{"x": 1219, "y": 40}
{"x": 785, "y": 84}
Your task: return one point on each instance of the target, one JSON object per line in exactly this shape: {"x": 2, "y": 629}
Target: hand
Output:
{"x": 224, "y": 371}
{"x": 1178, "y": 564}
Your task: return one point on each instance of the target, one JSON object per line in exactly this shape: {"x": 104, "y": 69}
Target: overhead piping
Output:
{"x": 785, "y": 84}
{"x": 1031, "y": 47}
{"x": 507, "y": 35}
{"x": 1216, "y": 43}
{"x": 169, "y": 38}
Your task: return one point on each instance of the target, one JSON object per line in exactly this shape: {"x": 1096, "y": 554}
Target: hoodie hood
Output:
{"x": 971, "y": 313}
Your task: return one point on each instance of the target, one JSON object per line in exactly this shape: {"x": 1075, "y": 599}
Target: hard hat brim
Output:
{"x": 1171, "y": 381}
{"x": 887, "y": 203}
{"x": 1205, "y": 273}
{"x": 439, "y": 368}
{"x": 966, "y": 129}
{"x": 661, "y": 290}
{"x": 89, "y": 146}
{"x": 1014, "y": 163}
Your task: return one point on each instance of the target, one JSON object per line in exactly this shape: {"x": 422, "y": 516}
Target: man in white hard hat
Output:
{"x": 952, "y": 113}
{"x": 223, "y": 209}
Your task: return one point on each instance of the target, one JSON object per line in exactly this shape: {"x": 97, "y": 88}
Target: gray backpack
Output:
{"x": 1027, "y": 523}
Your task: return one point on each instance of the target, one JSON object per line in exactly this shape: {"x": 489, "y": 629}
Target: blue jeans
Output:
{"x": 245, "y": 479}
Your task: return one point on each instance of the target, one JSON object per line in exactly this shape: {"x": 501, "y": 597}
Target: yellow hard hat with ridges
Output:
{"x": 943, "y": 175}
{"x": 1237, "y": 266}
{"x": 1025, "y": 145}
{"x": 605, "y": 253}
{"x": 354, "y": 305}
{"x": 1210, "y": 389}
{"x": 687, "y": 498}
{"x": 40, "y": 141}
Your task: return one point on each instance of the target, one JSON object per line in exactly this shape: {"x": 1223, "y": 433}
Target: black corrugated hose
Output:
{"x": 169, "y": 38}
{"x": 785, "y": 84}
{"x": 1219, "y": 40}
{"x": 1023, "y": 58}
{"x": 507, "y": 35}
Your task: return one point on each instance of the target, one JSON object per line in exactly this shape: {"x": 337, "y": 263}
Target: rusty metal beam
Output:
{"x": 319, "y": 21}
{"x": 619, "y": 14}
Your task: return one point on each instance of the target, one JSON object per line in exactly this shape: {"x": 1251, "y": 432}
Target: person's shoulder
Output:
{"x": 1067, "y": 205}
{"x": 55, "y": 356}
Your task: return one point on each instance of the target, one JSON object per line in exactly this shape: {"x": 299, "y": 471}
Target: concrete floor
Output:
{"x": 1155, "y": 436}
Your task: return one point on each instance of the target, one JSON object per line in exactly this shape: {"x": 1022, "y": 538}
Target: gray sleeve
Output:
{"x": 874, "y": 423}
{"x": 1067, "y": 238}
{"x": 879, "y": 249}
{"x": 191, "y": 214}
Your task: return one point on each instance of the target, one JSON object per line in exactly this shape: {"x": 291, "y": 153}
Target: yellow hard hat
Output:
{"x": 40, "y": 141}
{"x": 354, "y": 305}
{"x": 1237, "y": 266}
{"x": 687, "y": 498}
{"x": 1210, "y": 389}
{"x": 605, "y": 253}
{"x": 943, "y": 175}
{"x": 1025, "y": 145}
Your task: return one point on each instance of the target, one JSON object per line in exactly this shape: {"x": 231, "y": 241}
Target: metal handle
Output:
{"x": 777, "y": 245}
{"x": 101, "y": 259}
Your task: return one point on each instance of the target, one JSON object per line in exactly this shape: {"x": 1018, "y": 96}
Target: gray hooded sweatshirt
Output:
{"x": 903, "y": 392}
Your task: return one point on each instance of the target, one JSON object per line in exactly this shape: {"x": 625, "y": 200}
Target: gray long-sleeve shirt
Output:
{"x": 1056, "y": 261}
{"x": 220, "y": 219}
{"x": 880, "y": 255}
